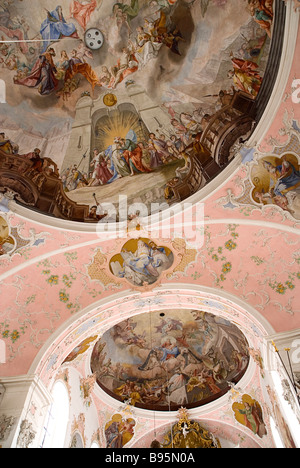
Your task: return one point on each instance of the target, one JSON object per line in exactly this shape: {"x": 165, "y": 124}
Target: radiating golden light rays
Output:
{"x": 117, "y": 124}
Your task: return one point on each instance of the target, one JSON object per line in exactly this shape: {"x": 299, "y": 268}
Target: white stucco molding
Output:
{"x": 284, "y": 340}
{"x": 25, "y": 398}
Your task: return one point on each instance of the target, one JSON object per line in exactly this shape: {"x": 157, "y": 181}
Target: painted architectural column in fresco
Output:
{"x": 80, "y": 140}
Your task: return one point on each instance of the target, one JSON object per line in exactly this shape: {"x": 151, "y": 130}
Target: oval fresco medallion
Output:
{"x": 141, "y": 261}
{"x": 167, "y": 359}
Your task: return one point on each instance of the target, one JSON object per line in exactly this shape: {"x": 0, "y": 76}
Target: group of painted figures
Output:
{"x": 39, "y": 66}
{"x": 127, "y": 157}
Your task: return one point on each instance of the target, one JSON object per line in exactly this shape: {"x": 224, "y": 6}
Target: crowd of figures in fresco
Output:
{"x": 174, "y": 362}
{"x": 280, "y": 177}
{"x": 41, "y": 67}
{"x": 135, "y": 32}
{"x": 126, "y": 157}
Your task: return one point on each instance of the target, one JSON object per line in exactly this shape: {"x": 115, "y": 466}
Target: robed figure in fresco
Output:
{"x": 249, "y": 413}
{"x": 119, "y": 431}
{"x": 78, "y": 65}
{"x": 5, "y": 144}
{"x": 43, "y": 74}
{"x": 82, "y": 11}
{"x": 131, "y": 11}
{"x": 144, "y": 265}
{"x": 133, "y": 154}
{"x": 6, "y": 241}
{"x": 55, "y": 27}
{"x": 284, "y": 177}
{"x": 262, "y": 12}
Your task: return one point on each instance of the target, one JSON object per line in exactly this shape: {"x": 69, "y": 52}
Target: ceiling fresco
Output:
{"x": 141, "y": 262}
{"x": 138, "y": 112}
{"x": 168, "y": 359}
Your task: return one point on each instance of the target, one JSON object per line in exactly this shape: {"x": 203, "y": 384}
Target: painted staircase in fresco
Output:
{"x": 36, "y": 189}
{"x": 212, "y": 154}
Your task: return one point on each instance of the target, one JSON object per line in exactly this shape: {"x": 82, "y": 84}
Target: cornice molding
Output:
{"x": 288, "y": 55}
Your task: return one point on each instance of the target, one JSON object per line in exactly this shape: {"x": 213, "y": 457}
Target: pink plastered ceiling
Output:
{"x": 258, "y": 265}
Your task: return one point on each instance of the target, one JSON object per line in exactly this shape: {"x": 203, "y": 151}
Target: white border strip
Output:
{"x": 288, "y": 57}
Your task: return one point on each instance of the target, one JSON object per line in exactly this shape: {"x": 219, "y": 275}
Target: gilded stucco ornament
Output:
{"x": 189, "y": 434}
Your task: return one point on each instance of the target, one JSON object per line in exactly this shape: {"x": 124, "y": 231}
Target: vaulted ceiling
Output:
{"x": 83, "y": 296}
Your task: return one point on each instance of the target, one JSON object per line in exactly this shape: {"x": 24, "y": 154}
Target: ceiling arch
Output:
{"x": 219, "y": 429}
{"x": 97, "y": 319}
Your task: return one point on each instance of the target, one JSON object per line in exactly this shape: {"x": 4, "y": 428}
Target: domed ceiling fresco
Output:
{"x": 141, "y": 262}
{"x": 137, "y": 98}
{"x": 167, "y": 359}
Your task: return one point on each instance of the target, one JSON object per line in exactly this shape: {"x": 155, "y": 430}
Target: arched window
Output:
{"x": 58, "y": 417}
